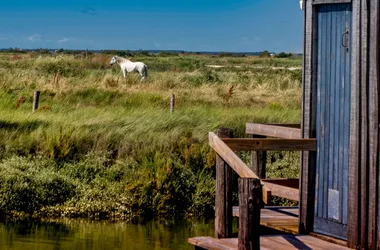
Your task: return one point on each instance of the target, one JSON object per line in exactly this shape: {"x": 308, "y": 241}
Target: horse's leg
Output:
{"x": 143, "y": 73}
{"x": 124, "y": 73}
{"x": 142, "y": 76}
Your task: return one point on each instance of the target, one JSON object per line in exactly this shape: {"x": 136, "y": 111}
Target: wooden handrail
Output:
{"x": 290, "y": 125}
{"x": 282, "y": 191}
{"x": 230, "y": 157}
{"x": 273, "y": 131}
{"x": 266, "y": 144}
{"x": 235, "y": 162}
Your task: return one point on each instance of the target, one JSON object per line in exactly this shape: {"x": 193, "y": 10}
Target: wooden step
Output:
{"x": 268, "y": 242}
{"x": 279, "y": 218}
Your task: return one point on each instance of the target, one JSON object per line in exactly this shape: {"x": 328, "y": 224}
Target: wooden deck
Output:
{"x": 279, "y": 218}
{"x": 269, "y": 242}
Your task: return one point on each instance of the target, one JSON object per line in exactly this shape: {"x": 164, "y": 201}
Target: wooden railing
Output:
{"x": 252, "y": 192}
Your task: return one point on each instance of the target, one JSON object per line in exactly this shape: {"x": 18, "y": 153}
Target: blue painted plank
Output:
{"x": 347, "y": 95}
{"x": 327, "y": 126}
{"x": 340, "y": 79}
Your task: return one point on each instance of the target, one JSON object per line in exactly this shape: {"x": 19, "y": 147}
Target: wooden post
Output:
{"x": 36, "y": 98}
{"x": 223, "y": 196}
{"x": 249, "y": 213}
{"x": 172, "y": 102}
{"x": 258, "y": 161}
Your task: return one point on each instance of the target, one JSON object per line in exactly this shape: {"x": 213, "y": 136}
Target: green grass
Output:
{"x": 114, "y": 147}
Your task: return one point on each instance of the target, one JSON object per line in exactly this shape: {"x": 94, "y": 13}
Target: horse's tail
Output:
{"x": 146, "y": 70}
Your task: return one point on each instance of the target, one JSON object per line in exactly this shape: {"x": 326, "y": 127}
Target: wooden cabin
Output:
{"x": 341, "y": 110}
{"x": 339, "y": 180}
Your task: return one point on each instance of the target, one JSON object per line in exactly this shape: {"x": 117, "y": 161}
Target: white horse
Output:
{"x": 128, "y": 66}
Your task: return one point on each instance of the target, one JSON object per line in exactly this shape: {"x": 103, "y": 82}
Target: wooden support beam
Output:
{"x": 258, "y": 161}
{"x": 230, "y": 157}
{"x": 288, "y": 182}
{"x": 223, "y": 196}
{"x": 249, "y": 214}
{"x": 235, "y": 162}
{"x": 282, "y": 191}
{"x": 273, "y": 131}
{"x": 250, "y": 144}
{"x": 289, "y": 125}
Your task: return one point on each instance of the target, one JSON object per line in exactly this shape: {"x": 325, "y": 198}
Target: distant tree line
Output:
{"x": 129, "y": 53}
{"x": 266, "y": 54}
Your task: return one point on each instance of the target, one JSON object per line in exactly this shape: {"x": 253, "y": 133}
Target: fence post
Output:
{"x": 258, "y": 161}
{"x": 223, "y": 196}
{"x": 172, "y": 102}
{"x": 36, "y": 98}
{"x": 249, "y": 214}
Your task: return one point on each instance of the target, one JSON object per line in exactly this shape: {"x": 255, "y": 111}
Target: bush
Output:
{"x": 28, "y": 185}
{"x": 265, "y": 54}
{"x": 284, "y": 55}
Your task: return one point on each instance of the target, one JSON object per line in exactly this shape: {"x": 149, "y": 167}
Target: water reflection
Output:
{"x": 85, "y": 235}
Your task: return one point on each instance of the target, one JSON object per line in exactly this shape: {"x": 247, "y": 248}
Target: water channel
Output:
{"x": 96, "y": 235}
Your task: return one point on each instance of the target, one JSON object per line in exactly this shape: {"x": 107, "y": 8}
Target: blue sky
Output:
{"x": 190, "y": 25}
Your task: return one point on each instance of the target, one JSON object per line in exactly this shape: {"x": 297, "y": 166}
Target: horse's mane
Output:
{"x": 121, "y": 59}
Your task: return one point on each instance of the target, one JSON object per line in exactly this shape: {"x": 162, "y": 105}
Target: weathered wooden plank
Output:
{"x": 273, "y": 212}
{"x": 313, "y": 243}
{"x": 258, "y": 161}
{"x": 282, "y": 191}
{"x": 292, "y": 243}
{"x": 286, "y": 228}
{"x": 270, "y": 242}
{"x": 267, "y": 196}
{"x": 290, "y": 125}
{"x": 212, "y": 243}
{"x": 273, "y": 131}
{"x": 288, "y": 182}
{"x": 329, "y": 239}
{"x": 223, "y": 193}
{"x": 363, "y": 119}
{"x": 267, "y": 144}
{"x": 230, "y": 157}
{"x": 234, "y": 161}
{"x": 373, "y": 124}
{"x": 307, "y": 173}
{"x": 249, "y": 218}
{"x": 376, "y": 79}
{"x": 354, "y": 169}
{"x": 279, "y": 218}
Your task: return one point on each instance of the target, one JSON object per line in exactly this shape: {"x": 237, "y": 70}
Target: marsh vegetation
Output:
{"x": 101, "y": 147}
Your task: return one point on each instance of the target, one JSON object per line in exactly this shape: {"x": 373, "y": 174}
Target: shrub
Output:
{"x": 28, "y": 185}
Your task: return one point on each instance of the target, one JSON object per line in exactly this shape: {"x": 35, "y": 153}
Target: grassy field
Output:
{"x": 102, "y": 147}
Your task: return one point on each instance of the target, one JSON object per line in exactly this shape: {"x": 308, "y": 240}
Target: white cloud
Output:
{"x": 243, "y": 38}
{"x": 63, "y": 40}
{"x": 4, "y": 38}
{"x": 34, "y": 38}
{"x": 157, "y": 45}
{"x": 258, "y": 38}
